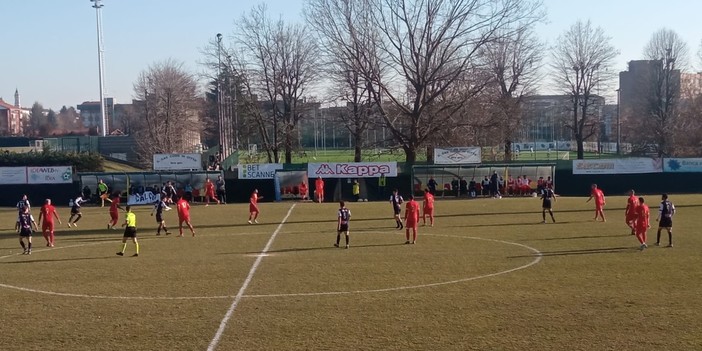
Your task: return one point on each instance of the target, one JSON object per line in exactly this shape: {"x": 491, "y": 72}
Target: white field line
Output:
{"x": 223, "y": 324}
{"x": 537, "y": 258}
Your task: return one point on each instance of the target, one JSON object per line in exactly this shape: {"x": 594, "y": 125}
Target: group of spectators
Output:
{"x": 493, "y": 186}
{"x": 169, "y": 190}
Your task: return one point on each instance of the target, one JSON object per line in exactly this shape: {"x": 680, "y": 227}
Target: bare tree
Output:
{"x": 348, "y": 43}
{"x": 667, "y": 44}
{"x": 514, "y": 62}
{"x": 226, "y": 70}
{"x": 283, "y": 62}
{"x": 582, "y": 62}
{"x": 170, "y": 112}
{"x": 660, "y": 93}
{"x": 689, "y": 123}
{"x": 431, "y": 50}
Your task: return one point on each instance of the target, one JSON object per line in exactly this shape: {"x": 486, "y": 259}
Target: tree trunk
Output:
{"x": 288, "y": 142}
{"x": 358, "y": 141}
{"x": 579, "y": 141}
{"x": 410, "y": 154}
{"x": 508, "y": 150}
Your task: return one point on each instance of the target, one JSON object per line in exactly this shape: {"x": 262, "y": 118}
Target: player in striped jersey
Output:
{"x": 342, "y": 225}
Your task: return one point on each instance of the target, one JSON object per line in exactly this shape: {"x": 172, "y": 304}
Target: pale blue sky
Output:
{"x": 50, "y": 50}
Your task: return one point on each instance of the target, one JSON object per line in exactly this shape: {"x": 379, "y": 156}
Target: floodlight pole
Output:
{"x": 220, "y": 114}
{"x": 101, "y": 65}
{"x": 619, "y": 124}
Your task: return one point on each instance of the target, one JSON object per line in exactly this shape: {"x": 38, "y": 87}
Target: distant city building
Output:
{"x": 10, "y": 119}
{"x": 13, "y": 117}
{"x": 637, "y": 86}
{"x": 90, "y": 113}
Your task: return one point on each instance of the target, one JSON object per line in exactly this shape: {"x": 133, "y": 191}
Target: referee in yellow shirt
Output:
{"x": 129, "y": 232}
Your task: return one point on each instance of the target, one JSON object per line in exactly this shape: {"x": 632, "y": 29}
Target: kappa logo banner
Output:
{"x": 457, "y": 155}
{"x": 352, "y": 169}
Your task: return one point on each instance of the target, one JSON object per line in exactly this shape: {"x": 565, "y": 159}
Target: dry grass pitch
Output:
{"x": 487, "y": 276}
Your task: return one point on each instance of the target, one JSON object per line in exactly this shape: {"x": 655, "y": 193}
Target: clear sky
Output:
{"x": 49, "y": 47}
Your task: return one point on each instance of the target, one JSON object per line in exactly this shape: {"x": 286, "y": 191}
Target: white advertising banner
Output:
{"x": 682, "y": 165}
{"x": 259, "y": 170}
{"x": 618, "y": 166}
{"x": 145, "y": 198}
{"x": 177, "y": 162}
{"x": 352, "y": 169}
{"x": 13, "y": 175}
{"x": 457, "y": 155}
{"x": 49, "y": 175}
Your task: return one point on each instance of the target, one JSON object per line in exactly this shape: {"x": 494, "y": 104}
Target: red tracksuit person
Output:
{"x": 642, "y": 224}
{"x": 411, "y": 219}
{"x": 46, "y": 218}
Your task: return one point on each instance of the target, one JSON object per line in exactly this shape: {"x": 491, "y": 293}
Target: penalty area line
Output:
{"x": 227, "y": 316}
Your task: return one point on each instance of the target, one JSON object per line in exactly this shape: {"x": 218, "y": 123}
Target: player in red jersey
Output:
{"x": 428, "y": 208}
{"x": 114, "y": 211}
{"x": 642, "y": 222}
{"x": 253, "y": 207}
{"x": 319, "y": 189}
{"x": 48, "y": 213}
{"x": 411, "y": 220}
{"x": 184, "y": 215}
{"x": 304, "y": 191}
{"x": 209, "y": 192}
{"x": 599, "y": 201}
{"x": 511, "y": 186}
{"x": 630, "y": 213}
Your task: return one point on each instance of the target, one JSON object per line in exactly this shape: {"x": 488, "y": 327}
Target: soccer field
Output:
{"x": 487, "y": 276}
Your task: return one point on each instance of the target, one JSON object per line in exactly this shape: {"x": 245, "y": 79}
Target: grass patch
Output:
{"x": 591, "y": 290}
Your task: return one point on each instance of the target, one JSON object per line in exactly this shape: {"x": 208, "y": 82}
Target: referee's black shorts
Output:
{"x": 130, "y": 232}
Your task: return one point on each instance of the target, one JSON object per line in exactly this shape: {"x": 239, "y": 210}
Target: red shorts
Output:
{"x": 598, "y": 206}
{"x": 429, "y": 211}
{"x": 253, "y": 208}
{"x": 630, "y": 217}
{"x": 183, "y": 219}
{"x": 47, "y": 226}
{"x": 640, "y": 230}
{"x": 210, "y": 194}
{"x": 114, "y": 215}
{"x": 411, "y": 223}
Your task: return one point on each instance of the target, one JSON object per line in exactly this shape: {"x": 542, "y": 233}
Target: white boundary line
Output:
{"x": 223, "y": 324}
{"x": 536, "y": 260}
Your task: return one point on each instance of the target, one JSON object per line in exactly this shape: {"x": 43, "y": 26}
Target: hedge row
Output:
{"x": 83, "y": 162}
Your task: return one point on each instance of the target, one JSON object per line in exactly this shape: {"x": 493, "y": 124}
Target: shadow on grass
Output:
{"x": 59, "y": 260}
{"x": 606, "y": 250}
{"x": 583, "y": 237}
{"x": 319, "y": 248}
